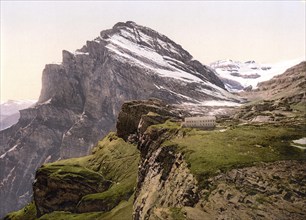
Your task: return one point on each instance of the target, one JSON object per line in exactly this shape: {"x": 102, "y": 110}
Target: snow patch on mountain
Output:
{"x": 10, "y": 150}
{"x": 147, "y": 57}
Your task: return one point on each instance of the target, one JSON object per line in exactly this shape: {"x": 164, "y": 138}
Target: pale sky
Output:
{"x": 34, "y": 33}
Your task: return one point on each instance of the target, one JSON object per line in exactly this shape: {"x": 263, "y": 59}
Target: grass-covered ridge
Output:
{"x": 116, "y": 161}
{"x": 113, "y": 161}
{"x": 209, "y": 152}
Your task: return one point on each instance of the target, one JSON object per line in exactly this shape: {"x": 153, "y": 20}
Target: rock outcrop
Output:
{"x": 163, "y": 176}
{"x": 81, "y": 97}
{"x": 264, "y": 191}
{"x": 134, "y": 116}
{"x": 95, "y": 183}
{"x": 62, "y": 187}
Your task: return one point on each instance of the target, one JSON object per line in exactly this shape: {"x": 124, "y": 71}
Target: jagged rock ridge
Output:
{"x": 81, "y": 97}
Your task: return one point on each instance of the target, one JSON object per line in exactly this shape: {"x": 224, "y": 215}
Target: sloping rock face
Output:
{"x": 80, "y": 100}
{"x": 265, "y": 191}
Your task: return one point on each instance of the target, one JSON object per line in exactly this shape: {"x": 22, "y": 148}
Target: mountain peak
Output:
{"x": 146, "y": 38}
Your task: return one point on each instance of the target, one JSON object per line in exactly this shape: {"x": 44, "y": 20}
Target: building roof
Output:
{"x": 207, "y": 117}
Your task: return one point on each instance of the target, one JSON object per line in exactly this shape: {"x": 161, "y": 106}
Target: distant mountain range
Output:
{"x": 289, "y": 86}
{"x": 237, "y": 75}
{"x": 9, "y": 111}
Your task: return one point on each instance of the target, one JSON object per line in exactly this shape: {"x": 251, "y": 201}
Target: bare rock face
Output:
{"x": 132, "y": 116}
{"x": 80, "y": 100}
{"x": 164, "y": 181}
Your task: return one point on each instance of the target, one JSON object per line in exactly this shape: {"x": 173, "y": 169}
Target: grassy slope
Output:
{"x": 117, "y": 161}
{"x": 209, "y": 152}
{"x": 113, "y": 159}
{"x": 123, "y": 211}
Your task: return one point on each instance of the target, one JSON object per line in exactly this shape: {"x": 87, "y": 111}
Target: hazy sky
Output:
{"x": 34, "y": 33}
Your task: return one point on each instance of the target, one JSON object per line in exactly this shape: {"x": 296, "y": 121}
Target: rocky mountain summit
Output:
{"x": 81, "y": 97}
{"x": 152, "y": 168}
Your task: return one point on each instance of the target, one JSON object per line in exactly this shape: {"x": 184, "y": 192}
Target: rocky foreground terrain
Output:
{"x": 152, "y": 168}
